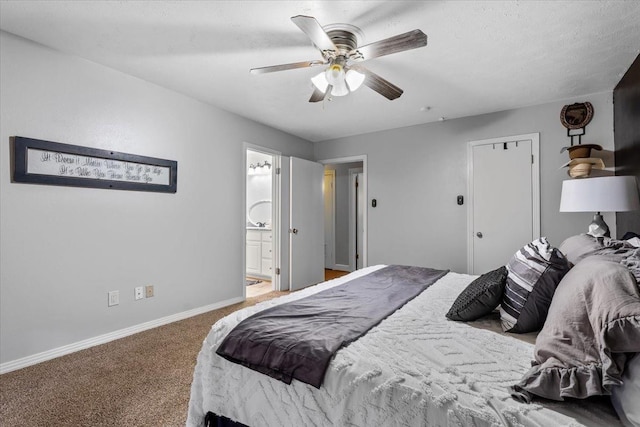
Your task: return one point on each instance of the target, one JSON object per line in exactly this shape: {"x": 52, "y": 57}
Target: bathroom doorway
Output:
{"x": 262, "y": 220}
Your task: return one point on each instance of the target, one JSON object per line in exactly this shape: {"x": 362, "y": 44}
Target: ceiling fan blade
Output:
{"x": 407, "y": 41}
{"x": 282, "y": 67}
{"x": 318, "y": 95}
{"x": 314, "y": 31}
{"x": 380, "y": 85}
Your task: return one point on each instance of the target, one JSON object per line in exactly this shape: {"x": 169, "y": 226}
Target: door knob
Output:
{"x": 479, "y": 234}
{"x": 294, "y": 230}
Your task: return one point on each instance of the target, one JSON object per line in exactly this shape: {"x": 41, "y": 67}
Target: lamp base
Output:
{"x": 598, "y": 228}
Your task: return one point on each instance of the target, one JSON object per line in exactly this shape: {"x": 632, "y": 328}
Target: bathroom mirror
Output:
{"x": 259, "y": 214}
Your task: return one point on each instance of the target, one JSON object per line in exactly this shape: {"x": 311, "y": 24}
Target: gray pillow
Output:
{"x": 577, "y": 247}
{"x": 481, "y": 297}
{"x": 593, "y": 324}
{"x": 533, "y": 274}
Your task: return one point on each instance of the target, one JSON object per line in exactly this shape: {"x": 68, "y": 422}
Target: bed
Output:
{"x": 415, "y": 368}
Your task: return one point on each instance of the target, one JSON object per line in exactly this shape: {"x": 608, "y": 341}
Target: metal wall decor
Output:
{"x": 575, "y": 117}
{"x": 52, "y": 163}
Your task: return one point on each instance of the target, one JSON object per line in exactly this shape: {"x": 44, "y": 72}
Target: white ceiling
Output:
{"x": 482, "y": 56}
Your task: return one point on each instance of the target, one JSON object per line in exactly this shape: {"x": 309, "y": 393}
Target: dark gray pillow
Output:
{"x": 481, "y": 297}
{"x": 533, "y": 275}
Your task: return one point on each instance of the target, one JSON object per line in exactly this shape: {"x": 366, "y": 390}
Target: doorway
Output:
{"x": 504, "y": 199}
{"x": 262, "y": 220}
{"x": 345, "y": 214}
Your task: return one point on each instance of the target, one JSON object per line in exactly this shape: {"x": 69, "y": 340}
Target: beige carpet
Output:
{"x": 140, "y": 380}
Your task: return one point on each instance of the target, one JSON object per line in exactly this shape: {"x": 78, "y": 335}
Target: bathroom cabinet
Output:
{"x": 259, "y": 253}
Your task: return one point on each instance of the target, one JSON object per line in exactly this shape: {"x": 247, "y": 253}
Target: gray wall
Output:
{"x": 415, "y": 173}
{"x": 63, "y": 248}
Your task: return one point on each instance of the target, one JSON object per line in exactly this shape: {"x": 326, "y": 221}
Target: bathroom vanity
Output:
{"x": 259, "y": 252}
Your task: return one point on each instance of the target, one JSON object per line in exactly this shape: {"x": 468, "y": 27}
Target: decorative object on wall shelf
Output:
{"x": 37, "y": 161}
{"x": 575, "y": 118}
{"x": 581, "y": 168}
{"x": 581, "y": 151}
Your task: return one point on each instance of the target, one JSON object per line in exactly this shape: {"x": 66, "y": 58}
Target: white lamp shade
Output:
{"x": 320, "y": 82}
{"x": 605, "y": 194}
{"x": 342, "y": 83}
{"x": 354, "y": 79}
{"x": 340, "y": 88}
{"x": 335, "y": 74}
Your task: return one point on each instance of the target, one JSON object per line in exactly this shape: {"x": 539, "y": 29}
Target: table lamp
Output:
{"x": 604, "y": 194}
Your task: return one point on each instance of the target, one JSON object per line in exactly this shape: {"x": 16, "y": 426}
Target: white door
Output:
{"x": 307, "y": 224}
{"x": 504, "y": 200}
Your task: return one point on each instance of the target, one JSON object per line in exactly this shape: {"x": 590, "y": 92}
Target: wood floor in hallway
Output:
{"x": 333, "y": 274}
{"x": 259, "y": 289}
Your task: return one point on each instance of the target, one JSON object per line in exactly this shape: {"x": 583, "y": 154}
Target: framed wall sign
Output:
{"x": 576, "y": 116}
{"x": 52, "y": 163}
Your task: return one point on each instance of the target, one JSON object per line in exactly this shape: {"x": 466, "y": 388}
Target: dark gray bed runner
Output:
{"x": 297, "y": 339}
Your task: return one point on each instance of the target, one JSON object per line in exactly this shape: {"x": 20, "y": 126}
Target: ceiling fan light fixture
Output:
{"x": 340, "y": 88}
{"x": 339, "y": 45}
{"x": 335, "y": 74}
{"x": 342, "y": 83}
{"x": 320, "y": 82}
{"x": 354, "y": 79}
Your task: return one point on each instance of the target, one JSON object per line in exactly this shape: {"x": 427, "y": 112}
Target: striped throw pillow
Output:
{"x": 533, "y": 274}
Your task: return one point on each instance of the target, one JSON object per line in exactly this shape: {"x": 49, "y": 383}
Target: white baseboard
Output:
{"x": 14, "y": 365}
{"x": 342, "y": 267}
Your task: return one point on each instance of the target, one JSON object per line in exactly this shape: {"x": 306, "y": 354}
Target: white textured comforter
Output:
{"x": 416, "y": 368}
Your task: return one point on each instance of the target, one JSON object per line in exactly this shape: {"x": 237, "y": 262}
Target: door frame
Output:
{"x": 351, "y": 159}
{"x": 332, "y": 220}
{"x": 275, "y": 212}
{"x": 353, "y": 219}
{"x": 535, "y": 184}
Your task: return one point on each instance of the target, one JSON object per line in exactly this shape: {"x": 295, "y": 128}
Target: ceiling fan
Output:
{"x": 338, "y": 45}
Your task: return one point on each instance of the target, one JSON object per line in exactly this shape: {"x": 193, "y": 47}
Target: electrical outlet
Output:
{"x": 139, "y": 293}
{"x": 114, "y": 298}
{"x": 149, "y": 291}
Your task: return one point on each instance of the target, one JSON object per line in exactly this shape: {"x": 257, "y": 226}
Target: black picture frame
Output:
{"x": 129, "y": 171}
